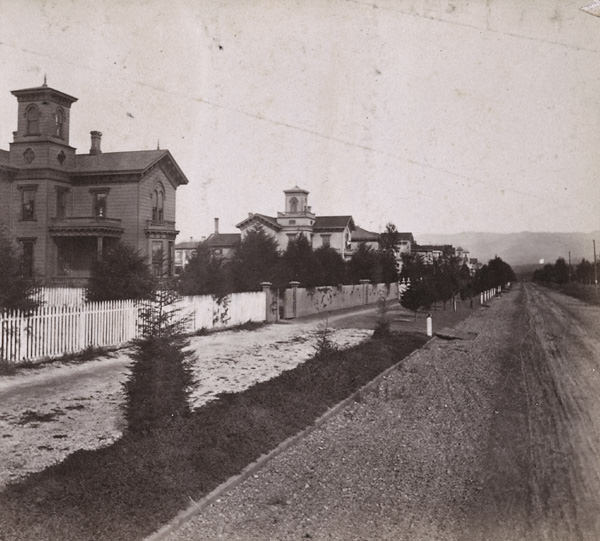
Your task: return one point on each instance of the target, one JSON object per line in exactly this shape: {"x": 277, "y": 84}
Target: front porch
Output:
{"x": 78, "y": 243}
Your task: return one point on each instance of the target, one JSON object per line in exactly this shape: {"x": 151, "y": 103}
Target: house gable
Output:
{"x": 260, "y": 220}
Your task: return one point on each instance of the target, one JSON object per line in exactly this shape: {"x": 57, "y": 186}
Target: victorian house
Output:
{"x": 66, "y": 209}
{"x": 298, "y": 219}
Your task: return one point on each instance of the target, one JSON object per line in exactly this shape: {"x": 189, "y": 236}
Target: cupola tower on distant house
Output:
{"x": 298, "y": 219}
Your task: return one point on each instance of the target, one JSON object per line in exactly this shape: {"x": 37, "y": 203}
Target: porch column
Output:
{"x": 99, "y": 247}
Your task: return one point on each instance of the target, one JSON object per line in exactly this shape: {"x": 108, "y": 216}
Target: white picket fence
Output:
{"x": 51, "y": 331}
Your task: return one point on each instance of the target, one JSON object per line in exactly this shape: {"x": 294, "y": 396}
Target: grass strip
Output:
{"x": 131, "y": 488}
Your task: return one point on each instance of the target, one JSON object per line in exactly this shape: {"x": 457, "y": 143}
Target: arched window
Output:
{"x": 293, "y": 204}
{"x": 158, "y": 204}
{"x": 32, "y": 116}
{"x": 59, "y": 118}
{"x": 161, "y": 203}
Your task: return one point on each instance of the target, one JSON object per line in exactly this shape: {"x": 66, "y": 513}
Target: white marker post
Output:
{"x": 429, "y": 325}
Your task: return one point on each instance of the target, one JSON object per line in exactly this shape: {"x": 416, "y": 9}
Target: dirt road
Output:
{"x": 544, "y": 457}
{"x": 496, "y": 438}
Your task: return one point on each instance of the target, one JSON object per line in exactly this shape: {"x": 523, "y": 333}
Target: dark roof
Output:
{"x": 433, "y": 248}
{"x": 333, "y": 223}
{"x": 223, "y": 240}
{"x": 117, "y": 161}
{"x": 405, "y": 235}
{"x": 267, "y": 220}
{"x": 295, "y": 189}
{"x": 120, "y": 162}
{"x": 362, "y": 235}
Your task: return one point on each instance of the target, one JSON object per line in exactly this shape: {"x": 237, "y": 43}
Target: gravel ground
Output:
{"x": 494, "y": 438}
{"x": 48, "y": 413}
{"x": 403, "y": 462}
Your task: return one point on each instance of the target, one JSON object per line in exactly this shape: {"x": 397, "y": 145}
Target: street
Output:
{"x": 493, "y": 438}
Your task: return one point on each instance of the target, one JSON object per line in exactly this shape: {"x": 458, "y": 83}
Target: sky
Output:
{"x": 439, "y": 116}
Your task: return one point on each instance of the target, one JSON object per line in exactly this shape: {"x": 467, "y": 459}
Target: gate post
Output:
{"x": 270, "y": 314}
{"x": 294, "y": 285}
{"x": 365, "y": 289}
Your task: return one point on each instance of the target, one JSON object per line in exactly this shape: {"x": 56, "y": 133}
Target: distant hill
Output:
{"x": 522, "y": 248}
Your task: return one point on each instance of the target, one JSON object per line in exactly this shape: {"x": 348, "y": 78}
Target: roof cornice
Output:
{"x": 41, "y": 92}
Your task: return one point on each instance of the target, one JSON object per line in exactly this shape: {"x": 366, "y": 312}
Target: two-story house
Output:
{"x": 66, "y": 209}
{"x": 298, "y": 219}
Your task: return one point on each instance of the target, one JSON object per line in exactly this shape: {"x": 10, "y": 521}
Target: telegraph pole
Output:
{"x": 569, "y": 265}
{"x": 595, "y": 268}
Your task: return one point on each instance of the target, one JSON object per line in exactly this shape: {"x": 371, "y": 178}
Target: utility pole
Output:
{"x": 569, "y": 265}
{"x": 595, "y": 269}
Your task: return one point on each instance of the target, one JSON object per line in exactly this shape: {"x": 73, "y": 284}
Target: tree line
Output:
{"x": 124, "y": 274}
{"x": 448, "y": 278}
{"x": 560, "y": 272}
{"x": 257, "y": 259}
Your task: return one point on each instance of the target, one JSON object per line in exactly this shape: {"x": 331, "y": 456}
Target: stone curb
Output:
{"x": 249, "y": 470}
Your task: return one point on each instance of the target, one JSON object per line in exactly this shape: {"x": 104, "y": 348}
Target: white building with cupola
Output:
{"x": 299, "y": 219}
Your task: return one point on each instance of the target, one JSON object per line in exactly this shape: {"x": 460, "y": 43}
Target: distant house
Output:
{"x": 474, "y": 265}
{"x": 432, "y": 252}
{"x": 298, "y": 219}
{"x": 184, "y": 251}
{"x": 406, "y": 241}
{"x": 66, "y": 209}
{"x": 462, "y": 254}
{"x": 360, "y": 235}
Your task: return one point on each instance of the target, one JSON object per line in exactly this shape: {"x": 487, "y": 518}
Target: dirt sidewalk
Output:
{"x": 49, "y": 413}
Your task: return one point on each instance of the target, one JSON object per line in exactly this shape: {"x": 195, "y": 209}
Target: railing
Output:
{"x": 162, "y": 224}
{"x": 78, "y": 221}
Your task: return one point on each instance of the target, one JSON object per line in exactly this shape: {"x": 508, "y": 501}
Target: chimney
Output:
{"x": 216, "y": 226}
{"x": 96, "y": 138}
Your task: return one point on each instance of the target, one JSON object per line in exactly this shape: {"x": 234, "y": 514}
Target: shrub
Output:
{"x": 298, "y": 262}
{"x": 158, "y": 388}
{"x": 330, "y": 267}
{"x": 121, "y": 274}
{"x": 382, "y": 326}
{"x": 324, "y": 347}
{"x": 418, "y": 295}
{"x": 205, "y": 274}
{"x": 15, "y": 288}
{"x": 255, "y": 260}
